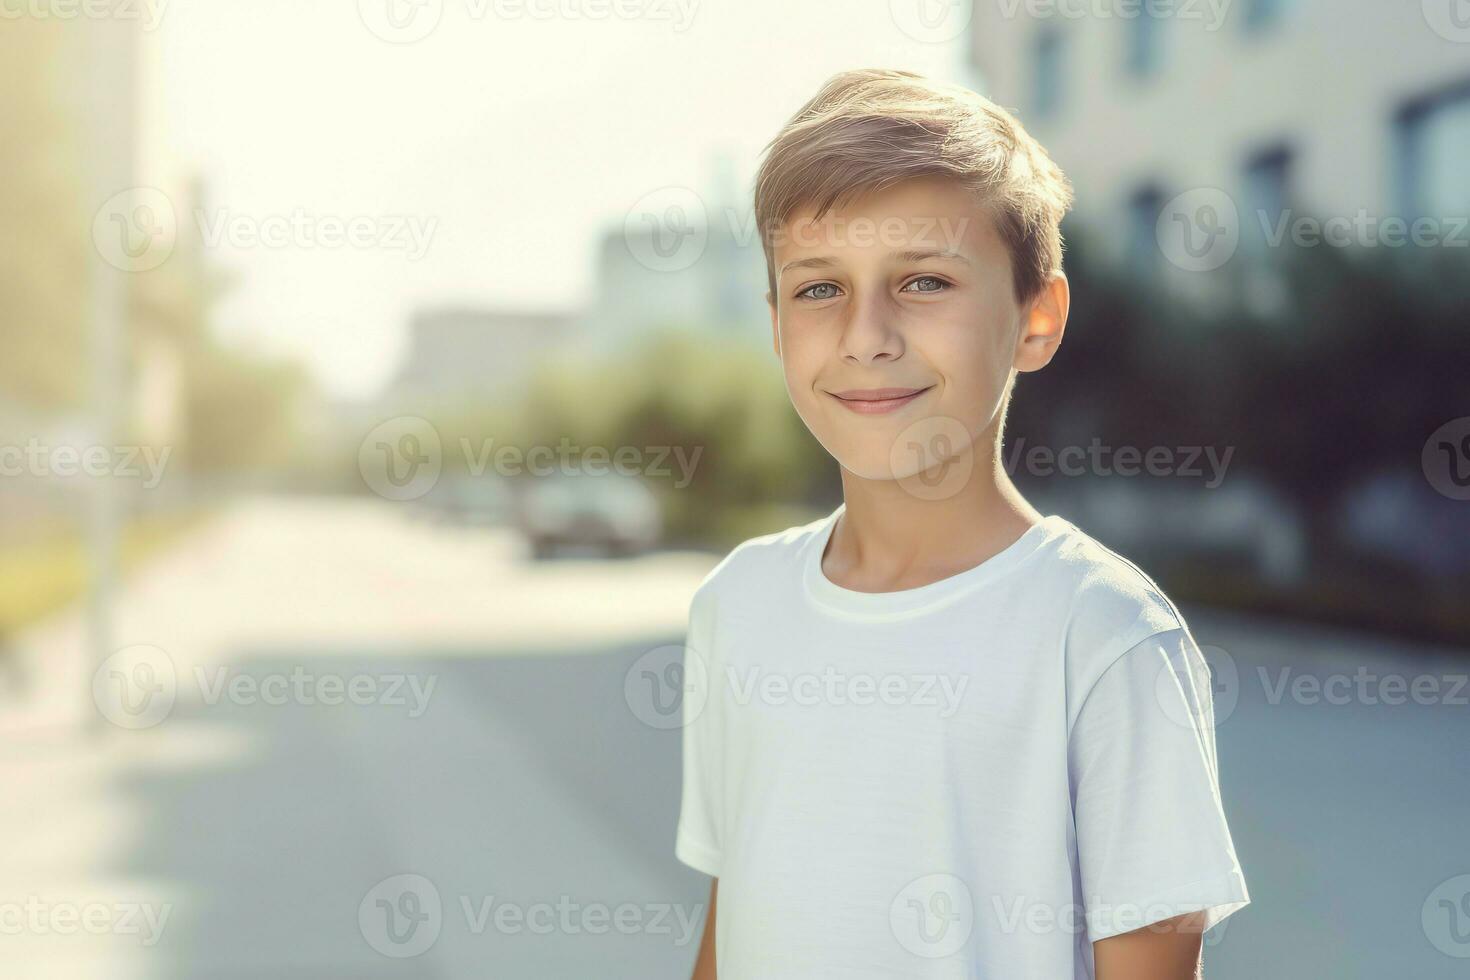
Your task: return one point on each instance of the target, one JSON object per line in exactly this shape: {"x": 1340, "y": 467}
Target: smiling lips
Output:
{"x": 876, "y": 401}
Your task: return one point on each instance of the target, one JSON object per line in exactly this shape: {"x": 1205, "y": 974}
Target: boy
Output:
{"x": 936, "y": 733}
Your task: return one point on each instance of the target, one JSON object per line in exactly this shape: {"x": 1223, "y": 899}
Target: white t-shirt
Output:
{"x": 978, "y": 777}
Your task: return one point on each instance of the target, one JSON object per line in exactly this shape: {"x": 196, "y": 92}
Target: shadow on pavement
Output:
{"x": 525, "y": 781}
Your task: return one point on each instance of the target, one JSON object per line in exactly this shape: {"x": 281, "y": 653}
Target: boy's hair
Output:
{"x": 873, "y": 127}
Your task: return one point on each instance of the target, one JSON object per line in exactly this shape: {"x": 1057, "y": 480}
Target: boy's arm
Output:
{"x": 704, "y": 963}
{"x": 1167, "y": 950}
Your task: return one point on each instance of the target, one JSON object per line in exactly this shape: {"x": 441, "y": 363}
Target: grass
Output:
{"x": 39, "y": 577}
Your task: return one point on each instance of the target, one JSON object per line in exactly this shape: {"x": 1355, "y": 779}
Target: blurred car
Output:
{"x": 1400, "y": 517}
{"x": 613, "y": 514}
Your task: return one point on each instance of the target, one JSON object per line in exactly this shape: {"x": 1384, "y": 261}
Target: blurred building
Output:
{"x": 682, "y": 259}
{"x": 466, "y": 355}
{"x": 1317, "y": 107}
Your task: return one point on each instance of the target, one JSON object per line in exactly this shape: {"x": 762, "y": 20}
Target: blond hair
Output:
{"x": 870, "y": 128}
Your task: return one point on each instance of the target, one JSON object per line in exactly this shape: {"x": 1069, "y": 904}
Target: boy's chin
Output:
{"x": 942, "y": 470}
{"x": 878, "y": 467}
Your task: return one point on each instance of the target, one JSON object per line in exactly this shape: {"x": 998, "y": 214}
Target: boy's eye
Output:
{"x": 811, "y": 292}
{"x": 926, "y": 284}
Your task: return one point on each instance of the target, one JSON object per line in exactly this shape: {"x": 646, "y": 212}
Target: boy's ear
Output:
{"x": 1043, "y": 324}
{"x": 775, "y": 325}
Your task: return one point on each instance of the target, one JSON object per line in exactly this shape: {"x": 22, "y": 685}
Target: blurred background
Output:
{"x": 378, "y": 379}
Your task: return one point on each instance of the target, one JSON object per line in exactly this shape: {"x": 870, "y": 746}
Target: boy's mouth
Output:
{"x": 876, "y": 401}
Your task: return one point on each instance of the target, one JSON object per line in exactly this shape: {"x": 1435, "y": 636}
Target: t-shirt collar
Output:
{"x": 823, "y": 592}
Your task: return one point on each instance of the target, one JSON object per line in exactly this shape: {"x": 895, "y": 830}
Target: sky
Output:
{"x": 481, "y": 161}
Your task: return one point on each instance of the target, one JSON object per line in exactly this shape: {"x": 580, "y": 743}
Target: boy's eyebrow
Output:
{"x": 817, "y": 262}
{"x": 919, "y": 255}
{"x": 912, "y": 255}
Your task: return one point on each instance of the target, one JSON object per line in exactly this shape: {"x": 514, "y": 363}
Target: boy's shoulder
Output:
{"x": 754, "y": 559}
{"x": 1111, "y": 595}
{"x": 1114, "y": 606}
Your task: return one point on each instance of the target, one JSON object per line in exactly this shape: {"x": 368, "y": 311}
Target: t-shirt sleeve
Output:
{"x": 698, "y": 840}
{"x": 1152, "y": 839}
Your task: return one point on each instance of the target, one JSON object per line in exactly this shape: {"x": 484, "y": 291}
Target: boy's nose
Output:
{"x": 872, "y": 332}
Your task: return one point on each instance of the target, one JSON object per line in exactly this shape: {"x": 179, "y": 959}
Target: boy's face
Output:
{"x": 898, "y": 327}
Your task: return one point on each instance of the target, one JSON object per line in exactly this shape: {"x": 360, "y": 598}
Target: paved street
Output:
{"x": 492, "y": 757}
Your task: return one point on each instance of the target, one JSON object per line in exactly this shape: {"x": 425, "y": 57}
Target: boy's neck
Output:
{"x": 889, "y": 538}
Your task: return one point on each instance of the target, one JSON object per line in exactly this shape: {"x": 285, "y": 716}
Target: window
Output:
{"x": 1265, "y": 231}
{"x": 1144, "y": 209}
{"x": 1047, "y": 83}
{"x": 1144, "y": 34}
{"x": 1433, "y": 143}
{"x": 1267, "y": 196}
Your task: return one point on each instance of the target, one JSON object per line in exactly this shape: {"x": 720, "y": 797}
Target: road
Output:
{"x": 489, "y": 800}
